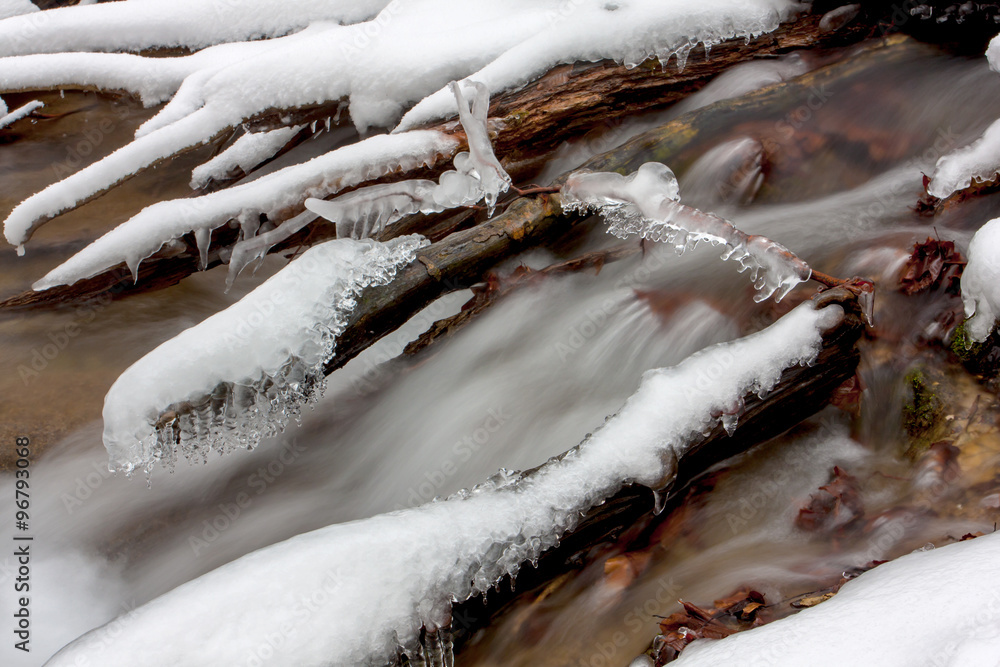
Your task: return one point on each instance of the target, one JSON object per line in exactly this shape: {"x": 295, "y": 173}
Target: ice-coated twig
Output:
{"x": 243, "y": 373}
{"x": 646, "y": 203}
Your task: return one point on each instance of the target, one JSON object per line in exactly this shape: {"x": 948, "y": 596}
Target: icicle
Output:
{"x": 482, "y": 163}
{"x": 203, "y": 238}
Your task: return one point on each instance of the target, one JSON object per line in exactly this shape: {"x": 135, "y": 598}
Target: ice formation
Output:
{"x": 646, "y": 203}
{"x": 243, "y": 373}
{"x": 381, "y": 67}
{"x": 981, "y": 282}
{"x": 353, "y": 593}
{"x": 977, "y": 162}
{"x": 864, "y": 625}
{"x": 366, "y": 212}
{"x": 145, "y": 233}
{"x": 19, "y": 113}
{"x": 247, "y": 152}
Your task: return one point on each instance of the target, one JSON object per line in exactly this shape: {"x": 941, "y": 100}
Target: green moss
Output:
{"x": 964, "y": 347}
{"x": 920, "y": 415}
{"x": 516, "y": 119}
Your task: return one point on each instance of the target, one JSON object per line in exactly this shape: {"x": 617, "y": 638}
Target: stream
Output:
{"x": 527, "y": 380}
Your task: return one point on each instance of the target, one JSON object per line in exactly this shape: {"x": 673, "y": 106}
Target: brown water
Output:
{"x": 526, "y": 381}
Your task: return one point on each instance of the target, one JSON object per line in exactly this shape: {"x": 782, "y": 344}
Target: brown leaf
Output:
{"x": 931, "y": 264}
{"x": 836, "y": 505}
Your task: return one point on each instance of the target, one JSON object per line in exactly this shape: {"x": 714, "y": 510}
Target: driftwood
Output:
{"x": 627, "y": 520}
{"x": 534, "y": 120}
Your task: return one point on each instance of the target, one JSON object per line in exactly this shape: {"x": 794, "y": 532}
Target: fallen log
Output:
{"x": 626, "y": 521}
{"x": 533, "y": 121}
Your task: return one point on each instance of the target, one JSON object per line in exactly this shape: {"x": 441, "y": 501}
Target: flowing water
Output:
{"x": 525, "y": 381}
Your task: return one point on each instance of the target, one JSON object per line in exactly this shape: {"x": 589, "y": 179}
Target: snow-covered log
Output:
{"x": 388, "y": 578}
{"x": 533, "y": 118}
{"x": 243, "y": 373}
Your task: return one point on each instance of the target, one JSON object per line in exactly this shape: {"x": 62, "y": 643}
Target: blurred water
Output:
{"x": 525, "y": 381}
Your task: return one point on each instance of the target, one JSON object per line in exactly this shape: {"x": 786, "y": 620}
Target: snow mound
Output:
{"x": 981, "y": 282}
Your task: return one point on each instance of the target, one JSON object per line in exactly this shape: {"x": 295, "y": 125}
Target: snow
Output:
{"x": 19, "y": 113}
{"x": 247, "y": 152}
{"x": 981, "y": 282}
{"x": 939, "y": 607}
{"x": 138, "y": 25}
{"x": 10, "y": 8}
{"x": 253, "y": 365}
{"x": 628, "y": 32}
{"x": 270, "y": 195}
{"x": 646, "y": 203}
{"x": 977, "y": 162}
{"x": 351, "y": 593}
{"x": 381, "y": 67}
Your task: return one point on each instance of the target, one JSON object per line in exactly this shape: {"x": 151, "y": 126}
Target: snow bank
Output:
{"x": 137, "y": 25}
{"x": 939, "y": 607}
{"x": 382, "y": 67}
{"x": 981, "y": 282}
{"x": 257, "y": 362}
{"x": 145, "y": 233}
{"x": 351, "y": 593}
{"x": 646, "y": 203}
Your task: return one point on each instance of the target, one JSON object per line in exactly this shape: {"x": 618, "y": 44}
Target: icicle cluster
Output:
{"x": 365, "y": 212}
{"x": 163, "y": 223}
{"x": 393, "y": 577}
{"x": 646, "y": 203}
{"x": 240, "y": 375}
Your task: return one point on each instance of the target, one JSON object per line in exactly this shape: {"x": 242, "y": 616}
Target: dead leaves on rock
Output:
{"x": 932, "y": 264}
{"x": 740, "y": 611}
